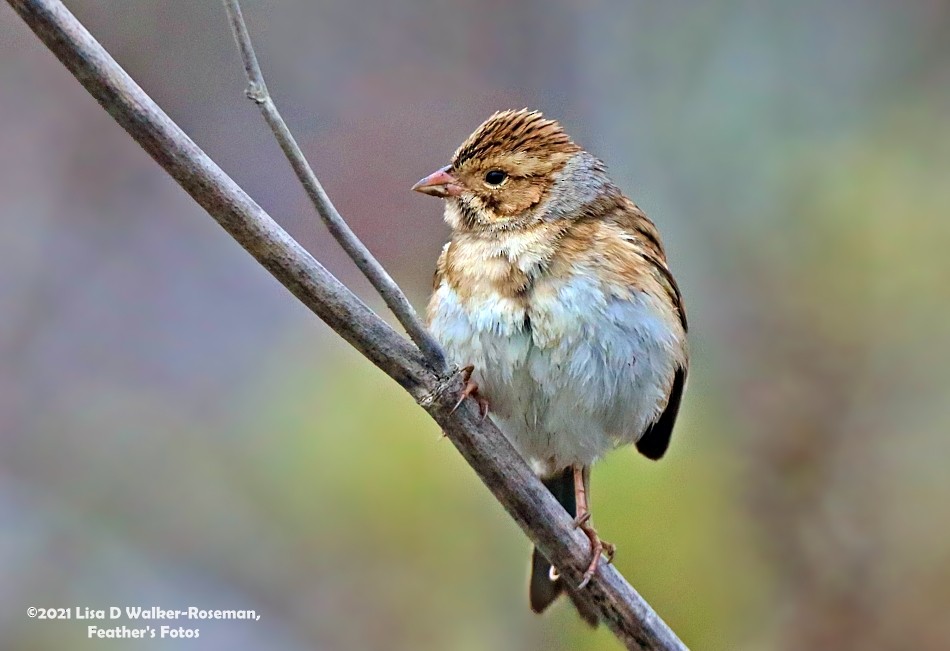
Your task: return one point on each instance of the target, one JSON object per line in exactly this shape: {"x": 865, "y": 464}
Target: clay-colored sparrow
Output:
{"x": 554, "y": 288}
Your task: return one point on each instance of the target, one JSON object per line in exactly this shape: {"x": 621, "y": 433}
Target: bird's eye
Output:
{"x": 495, "y": 177}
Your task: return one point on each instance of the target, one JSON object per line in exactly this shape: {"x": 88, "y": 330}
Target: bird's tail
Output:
{"x": 546, "y": 586}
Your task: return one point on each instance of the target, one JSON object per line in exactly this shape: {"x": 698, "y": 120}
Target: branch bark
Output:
{"x": 485, "y": 448}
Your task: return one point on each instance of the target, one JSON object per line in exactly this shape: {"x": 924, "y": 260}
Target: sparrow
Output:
{"x": 554, "y": 297}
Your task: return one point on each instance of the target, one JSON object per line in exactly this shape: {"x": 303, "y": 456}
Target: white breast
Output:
{"x": 569, "y": 377}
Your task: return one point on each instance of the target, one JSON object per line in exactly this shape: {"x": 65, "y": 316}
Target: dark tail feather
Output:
{"x": 543, "y": 591}
{"x": 656, "y": 439}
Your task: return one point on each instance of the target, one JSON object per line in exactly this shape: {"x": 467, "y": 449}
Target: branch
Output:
{"x": 485, "y": 448}
{"x": 383, "y": 283}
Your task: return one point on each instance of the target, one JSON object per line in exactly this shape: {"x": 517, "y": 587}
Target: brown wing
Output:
{"x": 665, "y": 278}
{"x": 656, "y": 439}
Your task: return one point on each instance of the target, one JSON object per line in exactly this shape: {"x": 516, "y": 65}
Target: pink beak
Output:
{"x": 439, "y": 184}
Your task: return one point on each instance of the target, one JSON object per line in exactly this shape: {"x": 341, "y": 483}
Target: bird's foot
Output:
{"x": 597, "y": 547}
{"x": 470, "y": 389}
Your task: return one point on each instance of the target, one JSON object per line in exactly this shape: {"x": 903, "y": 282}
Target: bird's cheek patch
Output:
{"x": 521, "y": 199}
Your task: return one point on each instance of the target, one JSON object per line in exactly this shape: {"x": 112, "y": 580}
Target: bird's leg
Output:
{"x": 470, "y": 389}
{"x": 597, "y": 546}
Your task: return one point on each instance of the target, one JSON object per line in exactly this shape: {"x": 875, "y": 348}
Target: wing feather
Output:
{"x": 656, "y": 439}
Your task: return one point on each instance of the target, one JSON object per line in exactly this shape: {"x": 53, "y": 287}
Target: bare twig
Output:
{"x": 383, "y": 283}
{"x": 484, "y": 447}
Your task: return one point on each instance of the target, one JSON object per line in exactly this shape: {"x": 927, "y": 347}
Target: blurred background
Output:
{"x": 175, "y": 429}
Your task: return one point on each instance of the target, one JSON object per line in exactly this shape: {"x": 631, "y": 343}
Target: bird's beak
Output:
{"x": 439, "y": 184}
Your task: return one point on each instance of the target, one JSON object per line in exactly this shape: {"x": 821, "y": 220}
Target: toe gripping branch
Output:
{"x": 470, "y": 390}
{"x": 597, "y": 547}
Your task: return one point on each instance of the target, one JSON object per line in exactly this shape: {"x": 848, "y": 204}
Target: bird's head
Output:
{"x": 502, "y": 175}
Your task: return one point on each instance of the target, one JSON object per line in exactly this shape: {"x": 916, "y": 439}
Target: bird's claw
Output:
{"x": 470, "y": 389}
{"x": 597, "y": 547}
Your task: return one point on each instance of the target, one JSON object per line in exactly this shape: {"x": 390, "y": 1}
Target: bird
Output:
{"x": 554, "y": 300}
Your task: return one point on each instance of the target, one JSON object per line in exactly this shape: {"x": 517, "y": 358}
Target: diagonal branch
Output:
{"x": 383, "y": 283}
{"x": 484, "y": 447}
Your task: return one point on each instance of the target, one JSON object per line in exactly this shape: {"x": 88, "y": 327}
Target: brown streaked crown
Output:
{"x": 507, "y": 132}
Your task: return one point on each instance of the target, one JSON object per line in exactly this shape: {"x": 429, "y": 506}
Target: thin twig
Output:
{"x": 391, "y": 293}
{"x": 485, "y": 448}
